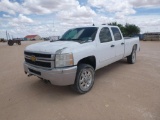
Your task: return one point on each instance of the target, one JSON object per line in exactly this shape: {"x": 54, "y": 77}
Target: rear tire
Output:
{"x": 132, "y": 58}
{"x": 10, "y": 42}
{"x": 84, "y": 79}
{"x": 19, "y": 42}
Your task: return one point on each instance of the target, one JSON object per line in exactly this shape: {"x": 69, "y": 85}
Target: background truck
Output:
{"x": 74, "y": 58}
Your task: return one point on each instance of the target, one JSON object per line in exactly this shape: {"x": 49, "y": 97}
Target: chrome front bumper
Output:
{"x": 57, "y": 76}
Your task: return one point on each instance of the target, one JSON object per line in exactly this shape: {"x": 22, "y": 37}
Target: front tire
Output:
{"x": 132, "y": 58}
{"x": 84, "y": 79}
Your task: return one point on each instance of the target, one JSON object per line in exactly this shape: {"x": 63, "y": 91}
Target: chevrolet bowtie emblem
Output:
{"x": 33, "y": 58}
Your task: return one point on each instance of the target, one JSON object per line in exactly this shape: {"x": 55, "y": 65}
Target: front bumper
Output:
{"x": 57, "y": 76}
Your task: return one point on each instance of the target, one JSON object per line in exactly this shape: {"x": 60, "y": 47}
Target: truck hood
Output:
{"x": 51, "y": 47}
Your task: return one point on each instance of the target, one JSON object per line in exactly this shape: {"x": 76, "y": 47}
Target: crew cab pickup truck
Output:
{"x": 74, "y": 58}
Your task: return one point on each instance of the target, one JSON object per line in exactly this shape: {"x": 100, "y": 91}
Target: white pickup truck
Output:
{"x": 74, "y": 58}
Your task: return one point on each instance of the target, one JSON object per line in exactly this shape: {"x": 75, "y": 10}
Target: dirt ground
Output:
{"x": 121, "y": 91}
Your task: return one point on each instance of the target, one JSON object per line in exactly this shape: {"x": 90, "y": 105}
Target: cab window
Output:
{"x": 105, "y": 35}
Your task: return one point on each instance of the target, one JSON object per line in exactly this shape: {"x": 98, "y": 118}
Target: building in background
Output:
{"x": 152, "y": 36}
{"x": 32, "y": 37}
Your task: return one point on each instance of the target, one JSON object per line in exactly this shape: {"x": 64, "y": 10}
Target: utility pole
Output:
{"x": 53, "y": 34}
{"x": 6, "y": 35}
{"x": 53, "y": 28}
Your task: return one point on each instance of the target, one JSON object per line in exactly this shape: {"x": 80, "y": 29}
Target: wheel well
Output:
{"x": 91, "y": 60}
{"x": 135, "y": 46}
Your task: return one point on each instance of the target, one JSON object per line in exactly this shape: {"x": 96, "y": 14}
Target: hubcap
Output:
{"x": 134, "y": 56}
{"x": 86, "y": 79}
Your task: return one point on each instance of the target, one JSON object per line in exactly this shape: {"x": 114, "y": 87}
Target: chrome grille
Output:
{"x": 40, "y": 55}
{"x": 42, "y": 60}
{"x": 39, "y": 63}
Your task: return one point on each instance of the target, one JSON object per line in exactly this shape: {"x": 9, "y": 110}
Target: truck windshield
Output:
{"x": 80, "y": 34}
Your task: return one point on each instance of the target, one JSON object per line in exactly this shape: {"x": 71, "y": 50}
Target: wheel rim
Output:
{"x": 134, "y": 56}
{"x": 86, "y": 79}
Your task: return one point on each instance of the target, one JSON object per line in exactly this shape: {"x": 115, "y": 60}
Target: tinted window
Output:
{"x": 105, "y": 35}
{"x": 116, "y": 33}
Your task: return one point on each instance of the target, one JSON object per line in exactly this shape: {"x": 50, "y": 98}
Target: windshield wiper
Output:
{"x": 75, "y": 39}
{"x": 71, "y": 40}
{"x": 57, "y": 40}
{"x": 81, "y": 41}
{"x": 63, "y": 39}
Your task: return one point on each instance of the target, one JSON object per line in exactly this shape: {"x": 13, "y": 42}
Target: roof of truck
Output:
{"x": 103, "y": 25}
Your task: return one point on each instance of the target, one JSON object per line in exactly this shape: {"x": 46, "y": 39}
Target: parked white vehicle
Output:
{"x": 74, "y": 58}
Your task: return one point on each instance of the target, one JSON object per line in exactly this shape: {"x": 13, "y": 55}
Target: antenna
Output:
{"x": 53, "y": 26}
{"x": 93, "y": 22}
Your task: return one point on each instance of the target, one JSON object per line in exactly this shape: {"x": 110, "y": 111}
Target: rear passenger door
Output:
{"x": 119, "y": 43}
{"x": 106, "y": 47}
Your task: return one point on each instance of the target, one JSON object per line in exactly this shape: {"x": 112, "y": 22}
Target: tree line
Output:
{"x": 128, "y": 30}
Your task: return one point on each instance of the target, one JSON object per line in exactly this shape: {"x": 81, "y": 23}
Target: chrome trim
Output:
{"x": 39, "y": 67}
{"x": 41, "y": 59}
{"x": 47, "y": 53}
{"x": 52, "y": 63}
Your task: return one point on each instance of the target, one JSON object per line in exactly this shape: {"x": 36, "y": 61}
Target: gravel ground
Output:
{"x": 121, "y": 91}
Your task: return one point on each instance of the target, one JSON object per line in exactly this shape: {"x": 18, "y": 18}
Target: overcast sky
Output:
{"x": 54, "y": 17}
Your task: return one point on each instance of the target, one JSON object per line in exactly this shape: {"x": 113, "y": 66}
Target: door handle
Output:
{"x": 112, "y": 45}
{"x": 122, "y": 43}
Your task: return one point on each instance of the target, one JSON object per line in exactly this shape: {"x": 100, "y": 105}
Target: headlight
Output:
{"x": 64, "y": 60}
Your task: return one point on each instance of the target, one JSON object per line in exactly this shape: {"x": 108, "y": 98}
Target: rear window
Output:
{"x": 116, "y": 33}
